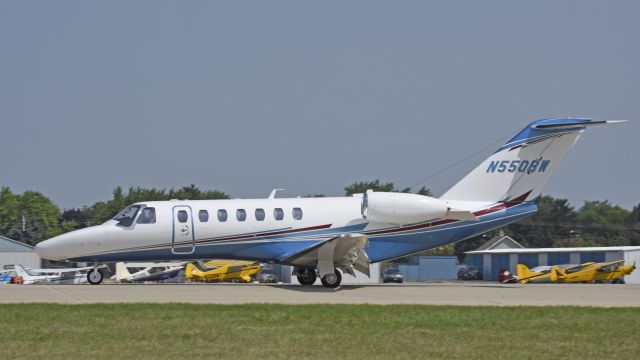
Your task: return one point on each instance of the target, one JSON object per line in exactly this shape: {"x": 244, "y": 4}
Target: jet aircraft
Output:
{"x": 325, "y": 237}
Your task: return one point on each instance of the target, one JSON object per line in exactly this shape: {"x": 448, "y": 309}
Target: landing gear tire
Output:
{"x": 307, "y": 276}
{"x": 332, "y": 280}
{"x": 95, "y": 276}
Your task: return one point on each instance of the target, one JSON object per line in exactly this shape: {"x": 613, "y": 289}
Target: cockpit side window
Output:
{"x": 125, "y": 217}
{"x": 147, "y": 216}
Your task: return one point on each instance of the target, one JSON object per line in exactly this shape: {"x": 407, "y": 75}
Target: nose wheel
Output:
{"x": 332, "y": 280}
{"x": 95, "y": 276}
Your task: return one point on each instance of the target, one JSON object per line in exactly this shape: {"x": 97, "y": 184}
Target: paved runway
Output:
{"x": 462, "y": 293}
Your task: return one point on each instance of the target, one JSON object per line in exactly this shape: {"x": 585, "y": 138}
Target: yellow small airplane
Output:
{"x": 587, "y": 272}
{"x": 540, "y": 274}
{"x": 608, "y": 271}
{"x": 222, "y": 270}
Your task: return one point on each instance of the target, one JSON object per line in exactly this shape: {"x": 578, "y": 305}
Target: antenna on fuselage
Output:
{"x": 273, "y": 193}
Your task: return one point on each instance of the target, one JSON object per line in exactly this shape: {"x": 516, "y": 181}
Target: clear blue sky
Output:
{"x": 310, "y": 97}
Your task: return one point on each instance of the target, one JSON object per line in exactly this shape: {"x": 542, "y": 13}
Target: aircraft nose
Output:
{"x": 49, "y": 249}
{"x": 72, "y": 244}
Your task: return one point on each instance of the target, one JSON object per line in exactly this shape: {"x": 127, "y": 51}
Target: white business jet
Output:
{"x": 325, "y": 237}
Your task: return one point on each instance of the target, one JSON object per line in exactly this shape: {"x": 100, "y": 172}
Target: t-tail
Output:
{"x": 519, "y": 170}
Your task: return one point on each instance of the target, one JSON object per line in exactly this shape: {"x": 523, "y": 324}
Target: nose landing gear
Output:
{"x": 95, "y": 276}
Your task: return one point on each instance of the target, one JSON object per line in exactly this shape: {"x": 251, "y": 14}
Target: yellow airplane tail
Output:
{"x": 191, "y": 272}
{"x": 556, "y": 274}
{"x": 524, "y": 273}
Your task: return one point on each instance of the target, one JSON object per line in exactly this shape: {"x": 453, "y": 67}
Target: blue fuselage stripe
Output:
{"x": 381, "y": 247}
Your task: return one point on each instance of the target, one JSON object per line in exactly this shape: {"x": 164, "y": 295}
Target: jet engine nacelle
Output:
{"x": 403, "y": 208}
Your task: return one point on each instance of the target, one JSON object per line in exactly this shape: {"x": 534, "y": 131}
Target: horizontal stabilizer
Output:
{"x": 578, "y": 123}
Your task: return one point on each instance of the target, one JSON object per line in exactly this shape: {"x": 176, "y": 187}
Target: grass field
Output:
{"x": 176, "y": 331}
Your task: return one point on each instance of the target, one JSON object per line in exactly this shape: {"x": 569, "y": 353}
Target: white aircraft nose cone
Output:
{"x": 47, "y": 249}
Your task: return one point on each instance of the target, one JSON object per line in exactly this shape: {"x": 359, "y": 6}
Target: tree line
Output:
{"x": 31, "y": 217}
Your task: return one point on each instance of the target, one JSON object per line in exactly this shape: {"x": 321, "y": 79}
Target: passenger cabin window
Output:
{"x": 297, "y": 213}
{"x": 260, "y": 214}
{"x": 222, "y": 215}
{"x": 182, "y": 216}
{"x": 147, "y": 216}
{"x": 278, "y": 214}
{"x": 241, "y": 215}
{"x": 203, "y": 215}
{"x": 126, "y": 216}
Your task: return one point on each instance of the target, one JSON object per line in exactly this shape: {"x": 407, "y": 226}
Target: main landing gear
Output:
{"x": 95, "y": 276}
{"x": 332, "y": 280}
{"x": 308, "y": 276}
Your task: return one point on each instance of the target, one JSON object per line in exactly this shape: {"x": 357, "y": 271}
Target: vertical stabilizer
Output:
{"x": 521, "y": 168}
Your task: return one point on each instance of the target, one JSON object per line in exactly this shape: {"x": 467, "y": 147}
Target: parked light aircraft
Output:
{"x": 53, "y": 275}
{"x": 606, "y": 271}
{"x": 222, "y": 270}
{"x": 147, "y": 271}
{"x": 542, "y": 273}
{"x": 320, "y": 236}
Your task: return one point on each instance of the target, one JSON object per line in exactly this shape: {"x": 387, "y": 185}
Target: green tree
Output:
{"x": 555, "y": 220}
{"x": 633, "y": 224}
{"x": 9, "y": 211}
{"x": 30, "y": 217}
{"x": 105, "y": 210}
{"x": 603, "y": 223}
{"x": 424, "y": 191}
{"x": 376, "y": 185}
{"x": 363, "y": 186}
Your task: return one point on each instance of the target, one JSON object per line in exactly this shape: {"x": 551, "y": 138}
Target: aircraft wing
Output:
{"x": 610, "y": 263}
{"x": 62, "y": 270}
{"x": 345, "y": 251}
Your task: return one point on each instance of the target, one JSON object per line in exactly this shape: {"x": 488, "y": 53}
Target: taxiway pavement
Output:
{"x": 462, "y": 293}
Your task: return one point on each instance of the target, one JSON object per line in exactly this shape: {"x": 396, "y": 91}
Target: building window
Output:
{"x": 297, "y": 213}
{"x": 203, "y": 215}
{"x": 241, "y": 215}
{"x": 183, "y": 216}
{"x": 278, "y": 214}
{"x": 260, "y": 214}
{"x": 222, "y": 215}
{"x": 147, "y": 216}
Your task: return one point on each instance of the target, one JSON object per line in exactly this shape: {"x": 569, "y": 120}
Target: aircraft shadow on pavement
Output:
{"x": 315, "y": 288}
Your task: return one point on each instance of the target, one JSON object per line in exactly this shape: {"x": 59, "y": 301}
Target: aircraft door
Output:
{"x": 183, "y": 240}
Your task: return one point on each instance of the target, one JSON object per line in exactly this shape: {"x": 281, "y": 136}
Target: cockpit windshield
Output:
{"x": 126, "y": 216}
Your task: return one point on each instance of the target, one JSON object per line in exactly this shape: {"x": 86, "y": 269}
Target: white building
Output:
{"x": 14, "y": 252}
